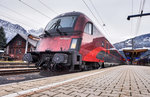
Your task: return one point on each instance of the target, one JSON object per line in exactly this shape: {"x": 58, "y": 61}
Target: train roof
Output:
{"x": 74, "y": 13}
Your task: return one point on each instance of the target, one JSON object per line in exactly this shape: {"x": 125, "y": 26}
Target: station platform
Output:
{"x": 118, "y": 81}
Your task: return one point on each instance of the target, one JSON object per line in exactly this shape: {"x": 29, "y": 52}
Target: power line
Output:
{"x": 34, "y": 9}
{"x": 18, "y": 13}
{"x": 91, "y": 12}
{"x": 132, "y": 25}
{"x": 142, "y": 3}
{"x": 96, "y": 18}
{"x": 47, "y": 7}
{"x": 94, "y": 15}
{"x": 18, "y": 20}
{"x": 15, "y": 20}
{"x": 106, "y": 30}
{"x": 99, "y": 16}
{"x": 97, "y": 12}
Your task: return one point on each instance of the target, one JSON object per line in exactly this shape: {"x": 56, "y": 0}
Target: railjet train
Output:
{"x": 72, "y": 42}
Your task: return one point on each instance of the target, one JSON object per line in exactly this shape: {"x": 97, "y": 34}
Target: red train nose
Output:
{"x": 54, "y": 44}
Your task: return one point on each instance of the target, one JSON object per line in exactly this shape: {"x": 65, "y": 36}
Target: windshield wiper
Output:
{"x": 56, "y": 26}
{"x": 47, "y": 33}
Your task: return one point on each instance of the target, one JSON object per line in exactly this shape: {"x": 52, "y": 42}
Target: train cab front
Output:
{"x": 58, "y": 48}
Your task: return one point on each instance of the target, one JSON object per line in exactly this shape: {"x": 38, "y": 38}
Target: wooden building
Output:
{"x": 19, "y": 45}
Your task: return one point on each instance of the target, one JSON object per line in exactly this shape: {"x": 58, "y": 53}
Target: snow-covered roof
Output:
{"x": 24, "y": 36}
{"x": 112, "y": 49}
{"x": 127, "y": 48}
{"x": 145, "y": 48}
{"x": 1, "y": 51}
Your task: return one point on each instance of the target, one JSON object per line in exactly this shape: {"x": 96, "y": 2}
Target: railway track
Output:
{"x": 16, "y": 68}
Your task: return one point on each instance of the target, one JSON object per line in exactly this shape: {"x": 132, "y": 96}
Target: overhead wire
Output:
{"x": 102, "y": 26}
{"x": 132, "y": 14}
{"x": 47, "y": 7}
{"x": 34, "y": 9}
{"x": 97, "y": 12}
{"x": 18, "y": 13}
{"x": 4, "y": 14}
{"x": 142, "y": 3}
{"x": 91, "y": 12}
{"x": 15, "y": 21}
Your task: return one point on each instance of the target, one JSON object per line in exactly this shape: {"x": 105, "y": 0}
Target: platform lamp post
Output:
{"x": 137, "y": 15}
{"x": 26, "y": 49}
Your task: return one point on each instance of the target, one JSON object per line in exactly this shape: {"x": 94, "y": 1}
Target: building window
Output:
{"x": 89, "y": 28}
{"x": 16, "y": 51}
{"x": 9, "y": 51}
{"x": 12, "y": 51}
{"x": 19, "y": 42}
{"x": 19, "y": 51}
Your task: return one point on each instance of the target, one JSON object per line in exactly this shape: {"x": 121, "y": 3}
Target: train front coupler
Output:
{"x": 40, "y": 59}
{"x": 54, "y": 60}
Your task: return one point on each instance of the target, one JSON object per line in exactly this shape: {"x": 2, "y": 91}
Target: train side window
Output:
{"x": 102, "y": 43}
{"x": 89, "y": 28}
{"x": 107, "y": 46}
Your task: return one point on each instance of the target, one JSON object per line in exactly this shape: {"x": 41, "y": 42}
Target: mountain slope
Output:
{"x": 12, "y": 29}
{"x": 36, "y": 32}
{"x": 142, "y": 41}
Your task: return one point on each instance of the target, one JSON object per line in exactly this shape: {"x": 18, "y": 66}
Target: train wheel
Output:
{"x": 83, "y": 67}
{"x": 102, "y": 65}
{"x": 96, "y": 65}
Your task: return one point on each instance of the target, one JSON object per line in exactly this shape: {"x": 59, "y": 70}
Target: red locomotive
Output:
{"x": 72, "y": 42}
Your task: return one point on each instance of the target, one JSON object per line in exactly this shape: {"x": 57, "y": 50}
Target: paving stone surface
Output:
{"x": 124, "y": 81}
{"x": 120, "y": 81}
{"x": 7, "y": 89}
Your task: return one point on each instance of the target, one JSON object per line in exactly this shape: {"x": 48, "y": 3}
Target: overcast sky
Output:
{"x": 113, "y": 13}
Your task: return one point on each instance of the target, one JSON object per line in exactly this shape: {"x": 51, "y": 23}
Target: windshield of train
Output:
{"x": 64, "y": 22}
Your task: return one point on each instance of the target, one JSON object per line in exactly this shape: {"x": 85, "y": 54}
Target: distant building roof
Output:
{"x": 1, "y": 51}
{"x": 32, "y": 39}
{"x": 145, "y": 54}
{"x": 135, "y": 50}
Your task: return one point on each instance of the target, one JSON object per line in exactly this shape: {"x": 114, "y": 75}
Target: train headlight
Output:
{"x": 73, "y": 43}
